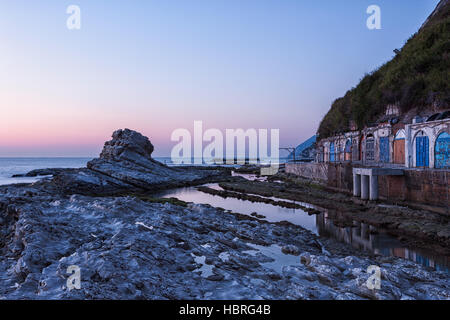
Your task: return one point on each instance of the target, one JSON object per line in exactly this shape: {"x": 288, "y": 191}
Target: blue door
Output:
{"x": 332, "y": 157}
{"x": 442, "y": 151}
{"x": 384, "y": 149}
{"x": 422, "y": 144}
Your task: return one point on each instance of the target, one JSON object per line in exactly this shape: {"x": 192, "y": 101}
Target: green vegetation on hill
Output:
{"x": 417, "y": 77}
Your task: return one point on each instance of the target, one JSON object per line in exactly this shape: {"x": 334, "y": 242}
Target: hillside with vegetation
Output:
{"x": 416, "y": 78}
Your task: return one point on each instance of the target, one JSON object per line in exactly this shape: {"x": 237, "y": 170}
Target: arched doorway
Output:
{"x": 332, "y": 153}
{"x": 361, "y": 143}
{"x": 422, "y": 150}
{"x": 370, "y": 148}
{"x": 399, "y": 147}
{"x": 348, "y": 150}
{"x": 384, "y": 149}
{"x": 441, "y": 151}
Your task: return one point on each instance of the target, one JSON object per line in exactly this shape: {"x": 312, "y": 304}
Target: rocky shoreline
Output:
{"x": 129, "y": 245}
{"x": 424, "y": 228}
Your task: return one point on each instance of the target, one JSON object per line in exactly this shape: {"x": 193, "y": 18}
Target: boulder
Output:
{"x": 127, "y": 144}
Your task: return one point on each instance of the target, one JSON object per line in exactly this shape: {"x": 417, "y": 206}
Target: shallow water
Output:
{"x": 360, "y": 236}
{"x": 280, "y": 259}
{"x": 271, "y": 212}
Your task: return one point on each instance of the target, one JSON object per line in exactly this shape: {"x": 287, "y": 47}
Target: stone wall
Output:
{"x": 424, "y": 186}
{"x": 336, "y": 175}
{"x": 340, "y": 176}
{"x": 311, "y": 170}
{"x": 421, "y": 186}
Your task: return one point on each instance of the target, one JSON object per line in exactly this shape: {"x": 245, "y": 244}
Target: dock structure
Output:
{"x": 365, "y": 181}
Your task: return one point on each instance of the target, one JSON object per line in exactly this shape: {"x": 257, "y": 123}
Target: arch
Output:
{"x": 400, "y": 135}
{"x": 442, "y": 150}
{"x": 332, "y": 152}
{"x": 361, "y": 143}
{"x": 370, "y": 148}
{"x": 355, "y": 149}
{"x": 422, "y": 144}
{"x": 384, "y": 149}
{"x": 348, "y": 150}
{"x": 322, "y": 154}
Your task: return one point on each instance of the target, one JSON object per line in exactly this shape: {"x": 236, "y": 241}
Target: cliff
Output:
{"x": 416, "y": 80}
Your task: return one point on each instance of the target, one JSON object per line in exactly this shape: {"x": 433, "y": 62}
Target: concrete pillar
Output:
{"x": 373, "y": 187}
{"x": 356, "y": 185}
{"x": 364, "y": 187}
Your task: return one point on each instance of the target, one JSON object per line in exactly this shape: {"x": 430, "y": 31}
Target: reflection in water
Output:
{"x": 271, "y": 212}
{"x": 361, "y": 236}
{"x": 365, "y": 237}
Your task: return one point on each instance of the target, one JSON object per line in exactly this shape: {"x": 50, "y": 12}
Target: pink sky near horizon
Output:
{"x": 155, "y": 67}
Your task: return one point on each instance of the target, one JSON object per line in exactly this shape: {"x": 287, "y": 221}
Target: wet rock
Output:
{"x": 215, "y": 277}
{"x": 44, "y": 172}
{"x": 290, "y": 249}
{"x": 305, "y": 259}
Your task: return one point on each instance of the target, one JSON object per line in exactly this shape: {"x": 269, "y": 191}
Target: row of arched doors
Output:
{"x": 422, "y": 147}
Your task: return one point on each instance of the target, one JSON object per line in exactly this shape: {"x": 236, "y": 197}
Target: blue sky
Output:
{"x": 156, "y": 66}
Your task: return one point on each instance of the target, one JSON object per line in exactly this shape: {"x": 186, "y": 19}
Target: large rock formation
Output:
{"x": 127, "y": 145}
{"x": 126, "y": 165}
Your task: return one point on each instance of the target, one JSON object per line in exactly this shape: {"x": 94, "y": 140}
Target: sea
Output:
{"x": 14, "y": 166}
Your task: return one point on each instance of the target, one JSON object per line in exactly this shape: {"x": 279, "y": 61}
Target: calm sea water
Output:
{"x": 12, "y": 166}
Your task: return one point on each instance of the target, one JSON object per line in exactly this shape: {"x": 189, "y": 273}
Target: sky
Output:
{"x": 156, "y": 66}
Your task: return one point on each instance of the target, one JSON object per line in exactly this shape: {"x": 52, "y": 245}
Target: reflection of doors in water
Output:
{"x": 399, "y": 147}
{"x": 442, "y": 150}
{"x": 332, "y": 156}
{"x": 384, "y": 149}
{"x": 422, "y": 151}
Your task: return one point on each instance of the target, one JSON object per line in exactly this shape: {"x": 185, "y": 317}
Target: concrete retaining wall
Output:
{"x": 425, "y": 186}
{"x": 310, "y": 170}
